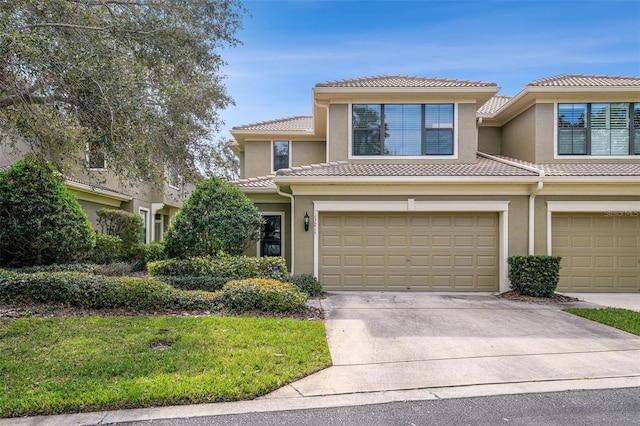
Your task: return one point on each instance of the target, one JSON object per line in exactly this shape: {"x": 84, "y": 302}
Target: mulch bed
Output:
{"x": 557, "y": 298}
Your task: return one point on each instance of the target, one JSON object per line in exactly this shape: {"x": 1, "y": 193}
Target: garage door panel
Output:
{"x": 599, "y": 252}
{"x": 409, "y": 251}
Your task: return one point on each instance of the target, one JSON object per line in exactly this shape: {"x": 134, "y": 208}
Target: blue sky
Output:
{"x": 290, "y": 45}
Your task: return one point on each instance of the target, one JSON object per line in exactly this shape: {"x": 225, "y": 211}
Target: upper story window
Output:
{"x": 403, "y": 129}
{"x": 599, "y": 129}
{"x": 96, "y": 160}
{"x": 174, "y": 178}
{"x": 280, "y": 155}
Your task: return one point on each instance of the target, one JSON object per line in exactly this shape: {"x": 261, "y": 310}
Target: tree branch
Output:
{"x": 61, "y": 25}
{"x": 27, "y": 98}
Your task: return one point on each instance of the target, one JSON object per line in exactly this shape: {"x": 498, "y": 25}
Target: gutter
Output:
{"x": 532, "y": 196}
{"x": 293, "y": 224}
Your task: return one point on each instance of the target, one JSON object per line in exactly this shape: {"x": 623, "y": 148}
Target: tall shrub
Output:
{"x": 41, "y": 222}
{"x": 124, "y": 225}
{"x": 216, "y": 217}
{"x": 536, "y": 276}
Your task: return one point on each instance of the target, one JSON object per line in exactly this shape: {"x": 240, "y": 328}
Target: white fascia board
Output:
{"x": 270, "y": 134}
{"x": 593, "y": 206}
{"x": 591, "y": 180}
{"x": 82, "y": 187}
{"x": 395, "y": 180}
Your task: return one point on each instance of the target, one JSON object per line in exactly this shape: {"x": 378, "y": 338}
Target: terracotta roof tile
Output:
{"x": 583, "y": 80}
{"x": 289, "y": 124}
{"x": 402, "y": 81}
{"x": 261, "y": 182}
{"x": 483, "y": 167}
{"x": 583, "y": 169}
{"x": 493, "y": 104}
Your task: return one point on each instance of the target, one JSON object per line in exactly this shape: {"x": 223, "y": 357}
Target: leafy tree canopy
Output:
{"x": 140, "y": 78}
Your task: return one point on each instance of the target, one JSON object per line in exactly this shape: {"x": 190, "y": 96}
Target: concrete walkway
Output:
{"x": 417, "y": 346}
{"x": 615, "y": 300}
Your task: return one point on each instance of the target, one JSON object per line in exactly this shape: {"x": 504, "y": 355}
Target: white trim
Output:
{"x": 585, "y": 207}
{"x": 146, "y": 217}
{"x": 456, "y": 128}
{"x": 272, "y": 153}
{"x": 411, "y": 205}
{"x": 282, "y": 233}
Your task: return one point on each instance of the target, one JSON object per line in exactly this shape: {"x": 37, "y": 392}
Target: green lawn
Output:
{"x": 624, "y": 319}
{"x": 64, "y": 365}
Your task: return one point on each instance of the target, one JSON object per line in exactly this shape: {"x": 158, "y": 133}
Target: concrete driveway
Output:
{"x": 403, "y": 341}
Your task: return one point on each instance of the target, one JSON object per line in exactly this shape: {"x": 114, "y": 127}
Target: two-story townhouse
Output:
{"x": 411, "y": 183}
{"x": 96, "y": 186}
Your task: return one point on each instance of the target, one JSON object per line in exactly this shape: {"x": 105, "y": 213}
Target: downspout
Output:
{"x": 532, "y": 216}
{"x": 532, "y": 196}
{"x": 293, "y": 224}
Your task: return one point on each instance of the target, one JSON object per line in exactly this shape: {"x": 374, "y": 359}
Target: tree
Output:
{"x": 41, "y": 222}
{"x": 216, "y": 217}
{"x": 222, "y": 162}
{"x": 138, "y": 78}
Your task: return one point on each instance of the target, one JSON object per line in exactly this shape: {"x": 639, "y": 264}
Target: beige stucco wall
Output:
{"x": 489, "y": 140}
{"x": 304, "y": 153}
{"x": 338, "y": 138}
{"x": 257, "y": 159}
{"x": 304, "y": 249}
{"x": 519, "y": 136}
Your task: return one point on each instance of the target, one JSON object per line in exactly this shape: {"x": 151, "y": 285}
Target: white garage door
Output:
{"x": 401, "y": 251}
{"x": 600, "y": 252}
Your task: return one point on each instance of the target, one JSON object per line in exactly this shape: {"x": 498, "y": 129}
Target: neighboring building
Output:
{"x": 96, "y": 187}
{"x": 430, "y": 184}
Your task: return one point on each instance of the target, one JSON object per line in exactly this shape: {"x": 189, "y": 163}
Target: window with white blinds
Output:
{"x": 402, "y": 129}
{"x": 599, "y": 129}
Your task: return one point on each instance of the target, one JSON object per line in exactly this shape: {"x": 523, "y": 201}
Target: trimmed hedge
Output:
{"x": 107, "y": 249}
{"x": 536, "y": 276}
{"x": 306, "y": 283}
{"x": 233, "y": 267}
{"x": 261, "y": 294}
{"x": 86, "y": 291}
{"x": 189, "y": 282}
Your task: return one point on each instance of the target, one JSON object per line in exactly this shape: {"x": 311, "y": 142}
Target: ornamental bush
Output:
{"x": 216, "y": 217}
{"x": 86, "y": 291}
{"x": 306, "y": 283}
{"x": 261, "y": 294}
{"x": 107, "y": 249}
{"x": 536, "y": 276}
{"x": 190, "y": 282}
{"x": 41, "y": 222}
{"x": 122, "y": 224}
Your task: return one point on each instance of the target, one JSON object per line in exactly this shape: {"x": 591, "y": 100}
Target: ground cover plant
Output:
{"x": 623, "y": 319}
{"x": 64, "y": 365}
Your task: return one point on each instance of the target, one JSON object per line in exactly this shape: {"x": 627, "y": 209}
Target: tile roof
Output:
{"x": 493, "y": 104}
{"x": 95, "y": 185}
{"x": 302, "y": 123}
{"x": 583, "y": 80}
{"x": 483, "y": 167}
{"x": 582, "y": 169}
{"x": 402, "y": 81}
{"x": 261, "y": 182}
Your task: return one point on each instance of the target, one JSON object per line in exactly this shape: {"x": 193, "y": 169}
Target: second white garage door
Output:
{"x": 401, "y": 251}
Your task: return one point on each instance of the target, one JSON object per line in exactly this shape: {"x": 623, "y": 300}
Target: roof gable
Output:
{"x": 301, "y": 123}
{"x": 585, "y": 80}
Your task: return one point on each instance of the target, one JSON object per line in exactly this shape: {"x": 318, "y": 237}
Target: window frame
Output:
{"x": 633, "y": 152}
{"x": 455, "y": 130}
{"x": 273, "y": 154}
{"x": 259, "y": 243}
{"x": 88, "y": 159}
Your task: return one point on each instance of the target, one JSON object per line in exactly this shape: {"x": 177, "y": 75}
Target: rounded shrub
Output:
{"x": 261, "y": 294}
{"x": 107, "y": 249}
{"x": 306, "y": 283}
{"x": 41, "y": 222}
{"x": 216, "y": 217}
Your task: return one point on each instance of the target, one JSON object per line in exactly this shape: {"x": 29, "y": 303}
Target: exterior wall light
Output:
{"x": 306, "y": 221}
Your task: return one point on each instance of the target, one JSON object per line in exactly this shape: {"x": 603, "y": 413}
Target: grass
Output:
{"x": 623, "y": 319}
{"x": 65, "y": 365}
